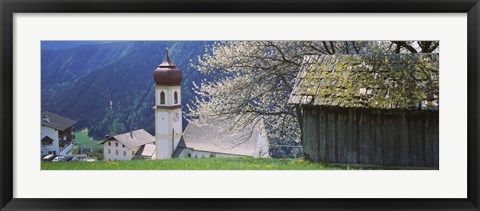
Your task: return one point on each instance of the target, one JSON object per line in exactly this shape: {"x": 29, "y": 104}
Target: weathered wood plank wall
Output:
{"x": 372, "y": 137}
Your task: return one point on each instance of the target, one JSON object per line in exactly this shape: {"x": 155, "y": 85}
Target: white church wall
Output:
{"x": 166, "y": 122}
{"x": 161, "y": 126}
{"x": 220, "y": 155}
{"x": 169, "y": 95}
{"x": 164, "y": 149}
{"x": 157, "y": 96}
{"x": 177, "y": 126}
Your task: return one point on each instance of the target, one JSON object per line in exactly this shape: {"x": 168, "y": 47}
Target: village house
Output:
{"x": 133, "y": 145}
{"x": 57, "y": 134}
{"x": 377, "y": 109}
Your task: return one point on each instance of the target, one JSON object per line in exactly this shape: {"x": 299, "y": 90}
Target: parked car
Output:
{"x": 58, "y": 158}
{"x": 67, "y": 158}
{"x": 79, "y": 158}
{"x": 48, "y": 157}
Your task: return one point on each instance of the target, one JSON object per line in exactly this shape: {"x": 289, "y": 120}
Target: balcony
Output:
{"x": 47, "y": 145}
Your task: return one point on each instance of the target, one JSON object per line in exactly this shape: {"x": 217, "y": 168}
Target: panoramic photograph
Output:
{"x": 239, "y": 105}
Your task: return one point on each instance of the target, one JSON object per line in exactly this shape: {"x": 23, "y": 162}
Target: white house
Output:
{"x": 138, "y": 144}
{"x": 57, "y": 134}
{"x": 197, "y": 141}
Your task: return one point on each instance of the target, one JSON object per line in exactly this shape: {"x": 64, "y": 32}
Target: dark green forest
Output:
{"x": 80, "y": 79}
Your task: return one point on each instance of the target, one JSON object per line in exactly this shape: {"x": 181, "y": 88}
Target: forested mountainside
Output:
{"x": 108, "y": 86}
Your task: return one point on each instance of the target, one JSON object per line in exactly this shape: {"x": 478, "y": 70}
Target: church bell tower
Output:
{"x": 168, "y": 108}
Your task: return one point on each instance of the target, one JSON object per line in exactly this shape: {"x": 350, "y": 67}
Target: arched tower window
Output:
{"x": 175, "y": 97}
{"x": 162, "y": 97}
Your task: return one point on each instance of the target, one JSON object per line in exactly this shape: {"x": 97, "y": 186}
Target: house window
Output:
{"x": 175, "y": 97}
{"x": 109, "y": 143}
{"x": 109, "y": 151}
{"x": 116, "y": 144}
{"x": 124, "y": 153}
{"x": 47, "y": 142}
{"x": 123, "y": 145}
{"x": 162, "y": 98}
{"x": 116, "y": 152}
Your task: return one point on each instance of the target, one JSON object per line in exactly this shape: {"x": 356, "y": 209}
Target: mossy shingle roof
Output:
{"x": 382, "y": 81}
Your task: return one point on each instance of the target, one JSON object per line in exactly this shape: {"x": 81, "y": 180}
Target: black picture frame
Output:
{"x": 10, "y": 7}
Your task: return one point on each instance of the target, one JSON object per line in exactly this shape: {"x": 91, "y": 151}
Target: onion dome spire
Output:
{"x": 167, "y": 73}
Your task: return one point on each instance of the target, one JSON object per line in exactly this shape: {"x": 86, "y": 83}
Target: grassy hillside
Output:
{"x": 84, "y": 140}
{"x": 193, "y": 164}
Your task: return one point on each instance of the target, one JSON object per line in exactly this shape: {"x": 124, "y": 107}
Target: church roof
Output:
{"x": 56, "y": 121}
{"x": 380, "y": 81}
{"x": 133, "y": 139}
{"x": 217, "y": 138}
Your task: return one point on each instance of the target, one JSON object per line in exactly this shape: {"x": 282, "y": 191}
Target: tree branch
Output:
{"x": 405, "y": 45}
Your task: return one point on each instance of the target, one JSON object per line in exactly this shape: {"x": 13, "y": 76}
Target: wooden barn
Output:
{"x": 370, "y": 109}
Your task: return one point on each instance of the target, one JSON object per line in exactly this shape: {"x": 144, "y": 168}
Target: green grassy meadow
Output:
{"x": 193, "y": 164}
{"x": 84, "y": 140}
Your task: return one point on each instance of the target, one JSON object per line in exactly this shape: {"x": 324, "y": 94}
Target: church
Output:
{"x": 196, "y": 141}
